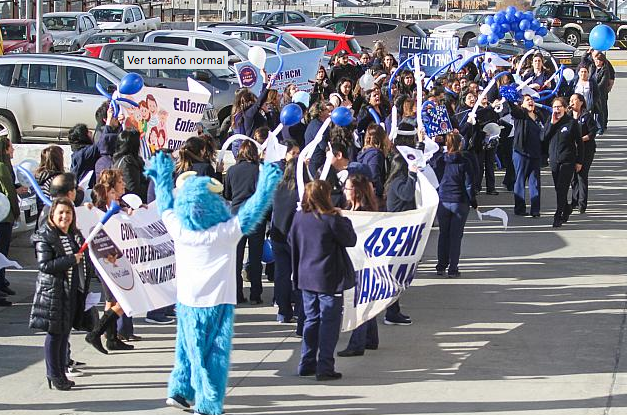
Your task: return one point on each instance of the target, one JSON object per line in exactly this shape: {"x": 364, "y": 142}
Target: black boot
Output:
{"x": 93, "y": 337}
{"x": 113, "y": 343}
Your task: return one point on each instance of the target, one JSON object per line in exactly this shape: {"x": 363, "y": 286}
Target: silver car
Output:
{"x": 70, "y": 30}
{"x": 465, "y": 28}
{"x": 255, "y": 33}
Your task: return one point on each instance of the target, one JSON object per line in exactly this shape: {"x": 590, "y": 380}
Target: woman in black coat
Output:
{"x": 563, "y": 134}
{"x": 589, "y": 128}
{"x": 127, "y": 159}
{"x": 57, "y": 306}
{"x": 317, "y": 237}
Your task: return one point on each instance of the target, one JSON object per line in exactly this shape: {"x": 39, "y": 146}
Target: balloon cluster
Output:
{"x": 522, "y": 26}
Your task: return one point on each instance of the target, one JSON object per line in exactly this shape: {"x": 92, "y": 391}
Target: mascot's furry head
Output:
{"x": 196, "y": 207}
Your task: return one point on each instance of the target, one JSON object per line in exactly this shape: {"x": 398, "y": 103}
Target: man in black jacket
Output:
{"x": 345, "y": 70}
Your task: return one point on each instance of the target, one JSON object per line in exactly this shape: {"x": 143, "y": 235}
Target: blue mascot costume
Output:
{"x": 205, "y": 239}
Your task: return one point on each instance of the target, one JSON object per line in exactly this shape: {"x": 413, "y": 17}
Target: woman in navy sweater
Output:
{"x": 317, "y": 238}
{"x": 589, "y": 129}
{"x": 373, "y": 156}
{"x": 457, "y": 194}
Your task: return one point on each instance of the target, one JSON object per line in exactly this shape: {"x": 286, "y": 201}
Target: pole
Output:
{"x": 445, "y": 9}
{"x": 398, "y": 11}
{"x": 249, "y": 12}
{"x": 332, "y": 8}
{"x": 38, "y": 15}
{"x": 196, "y": 13}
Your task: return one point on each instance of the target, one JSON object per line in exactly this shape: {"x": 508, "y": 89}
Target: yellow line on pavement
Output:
{"x": 619, "y": 62}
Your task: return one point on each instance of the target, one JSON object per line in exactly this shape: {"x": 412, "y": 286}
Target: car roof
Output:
{"x": 238, "y": 25}
{"x": 114, "y": 6}
{"x": 201, "y": 33}
{"x": 55, "y": 58}
{"x": 16, "y": 21}
{"x": 363, "y": 18}
{"x": 164, "y": 46}
{"x": 64, "y": 14}
{"x": 321, "y": 35}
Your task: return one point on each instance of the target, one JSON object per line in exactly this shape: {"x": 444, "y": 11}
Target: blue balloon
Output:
{"x": 511, "y": 18}
{"x": 542, "y": 31}
{"x": 518, "y": 35}
{"x": 510, "y": 10}
{"x": 535, "y": 24}
{"x": 519, "y": 15}
{"x": 602, "y": 38}
{"x": 489, "y": 20}
{"x": 524, "y": 25}
{"x": 482, "y": 40}
{"x": 499, "y": 18}
{"x": 342, "y": 116}
{"x": 291, "y": 114}
{"x": 528, "y": 16}
{"x": 131, "y": 84}
{"x": 505, "y": 27}
{"x": 267, "y": 255}
{"x": 493, "y": 39}
{"x": 33, "y": 182}
{"x": 528, "y": 44}
{"x": 496, "y": 28}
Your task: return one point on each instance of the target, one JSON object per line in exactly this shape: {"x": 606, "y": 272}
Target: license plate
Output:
{"x": 566, "y": 61}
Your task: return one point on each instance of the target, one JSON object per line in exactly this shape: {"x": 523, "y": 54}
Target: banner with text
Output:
{"x": 135, "y": 256}
{"x": 435, "y": 51}
{"x": 165, "y": 118}
{"x": 298, "y": 68}
{"x": 389, "y": 246}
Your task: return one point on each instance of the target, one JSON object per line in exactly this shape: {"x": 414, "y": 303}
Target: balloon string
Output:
{"x": 401, "y": 66}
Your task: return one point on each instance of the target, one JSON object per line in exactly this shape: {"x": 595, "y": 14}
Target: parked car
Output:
{"x": 222, "y": 83}
{"x": 367, "y": 30}
{"x": 331, "y": 42}
{"x": 19, "y": 35}
{"x": 572, "y": 21}
{"x": 255, "y": 33}
{"x": 279, "y": 17}
{"x": 323, "y": 18}
{"x": 563, "y": 53}
{"x": 237, "y": 50}
{"x": 110, "y": 37}
{"x": 124, "y": 17}
{"x": 466, "y": 28}
{"x": 70, "y": 30}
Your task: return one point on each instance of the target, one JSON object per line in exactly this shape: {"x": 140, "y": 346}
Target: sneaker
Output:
{"x": 396, "y": 321}
{"x": 454, "y": 274}
{"x": 329, "y": 376}
{"x": 178, "y": 402}
{"x": 71, "y": 372}
{"x": 492, "y": 192}
{"x": 159, "y": 320}
{"x": 5, "y": 303}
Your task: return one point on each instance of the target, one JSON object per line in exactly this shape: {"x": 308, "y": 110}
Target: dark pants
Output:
{"x": 504, "y": 151}
{"x": 283, "y": 280}
{"x": 451, "y": 219}
{"x": 562, "y": 177}
{"x": 603, "y": 113}
{"x": 323, "y": 317}
{"x": 55, "y": 349}
{"x": 527, "y": 169}
{"x": 366, "y": 335}
{"x": 580, "y": 180}
{"x": 6, "y": 229}
{"x": 393, "y": 310}
{"x": 255, "y": 251}
{"x": 486, "y": 166}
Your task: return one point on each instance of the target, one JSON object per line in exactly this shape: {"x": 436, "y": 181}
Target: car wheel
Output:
{"x": 466, "y": 38}
{"x": 572, "y": 38}
{"x": 9, "y": 128}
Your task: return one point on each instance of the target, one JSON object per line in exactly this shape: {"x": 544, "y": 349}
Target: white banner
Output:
{"x": 135, "y": 256}
{"x": 389, "y": 246}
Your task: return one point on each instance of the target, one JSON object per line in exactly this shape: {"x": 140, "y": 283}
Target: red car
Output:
{"x": 331, "y": 42}
{"x": 18, "y": 36}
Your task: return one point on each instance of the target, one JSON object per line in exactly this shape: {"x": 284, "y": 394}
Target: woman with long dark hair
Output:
{"x": 589, "y": 128}
{"x": 7, "y": 188}
{"x": 361, "y": 198}
{"x": 50, "y": 165}
{"x": 318, "y": 239}
{"x": 373, "y": 155}
{"x": 246, "y": 114}
{"x": 196, "y": 155}
{"x": 63, "y": 271}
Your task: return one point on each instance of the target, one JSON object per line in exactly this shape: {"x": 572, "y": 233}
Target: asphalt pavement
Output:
{"x": 536, "y": 325}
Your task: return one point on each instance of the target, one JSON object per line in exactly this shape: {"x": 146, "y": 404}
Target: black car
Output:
{"x": 572, "y": 21}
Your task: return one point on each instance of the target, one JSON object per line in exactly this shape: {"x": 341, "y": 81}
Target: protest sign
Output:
{"x": 436, "y": 120}
{"x": 135, "y": 257}
{"x": 165, "y": 118}
{"x": 435, "y": 51}
{"x": 389, "y": 246}
{"x": 298, "y": 68}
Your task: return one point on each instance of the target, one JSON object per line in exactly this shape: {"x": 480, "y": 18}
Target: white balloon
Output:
{"x": 537, "y": 40}
{"x": 5, "y": 206}
{"x": 485, "y": 29}
{"x": 30, "y": 165}
{"x": 257, "y": 56}
{"x": 568, "y": 74}
{"x": 366, "y": 82}
{"x": 529, "y": 34}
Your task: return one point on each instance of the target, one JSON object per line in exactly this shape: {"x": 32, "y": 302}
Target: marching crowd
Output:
{"x": 367, "y": 173}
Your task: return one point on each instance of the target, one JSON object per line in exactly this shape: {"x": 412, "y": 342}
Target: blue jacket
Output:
{"x": 564, "y": 138}
{"x": 401, "y": 193}
{"x": 106, "y": 148}
{"x": 374, "y": 159}
{"x": 247, "y": 121}
{"x": 83, "y": 161}
{"x": 312, "y": 130}
{"x": 457, "y": 184}
{"x": 316, "y": 243}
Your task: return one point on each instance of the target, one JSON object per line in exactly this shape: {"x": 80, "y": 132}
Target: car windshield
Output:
{"x": 57, "y": 23}
{"x": 259, "y": 18}
{"x": 469, "y": 18}
{"x": 546, "y": 10}
{"x": 106, "y": 38}
{"x": 114, "y": 70}
{"x": 417, "y": 30}
{"x": 288, "y": 39}
{"x": 352, "y": 43}
{"x": 551, "y": 38}
{"x": 240, "y": 47}
{"x": 13, "y": 32}
{"x": 108, "y": 15}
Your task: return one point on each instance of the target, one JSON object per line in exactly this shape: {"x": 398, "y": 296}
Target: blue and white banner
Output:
{"x": 298, "y": 68}
{"x": 389, "y": 246}
{"x": 436, "y": 120}
{"x": 435, "y": 51}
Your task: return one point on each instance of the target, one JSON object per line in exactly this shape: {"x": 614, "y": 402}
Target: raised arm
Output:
{"x": 253, "y": 211}
{"x": 160, "y": 169}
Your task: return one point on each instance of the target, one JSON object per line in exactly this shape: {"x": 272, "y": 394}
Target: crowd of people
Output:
{"x": 367, "y": 173}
